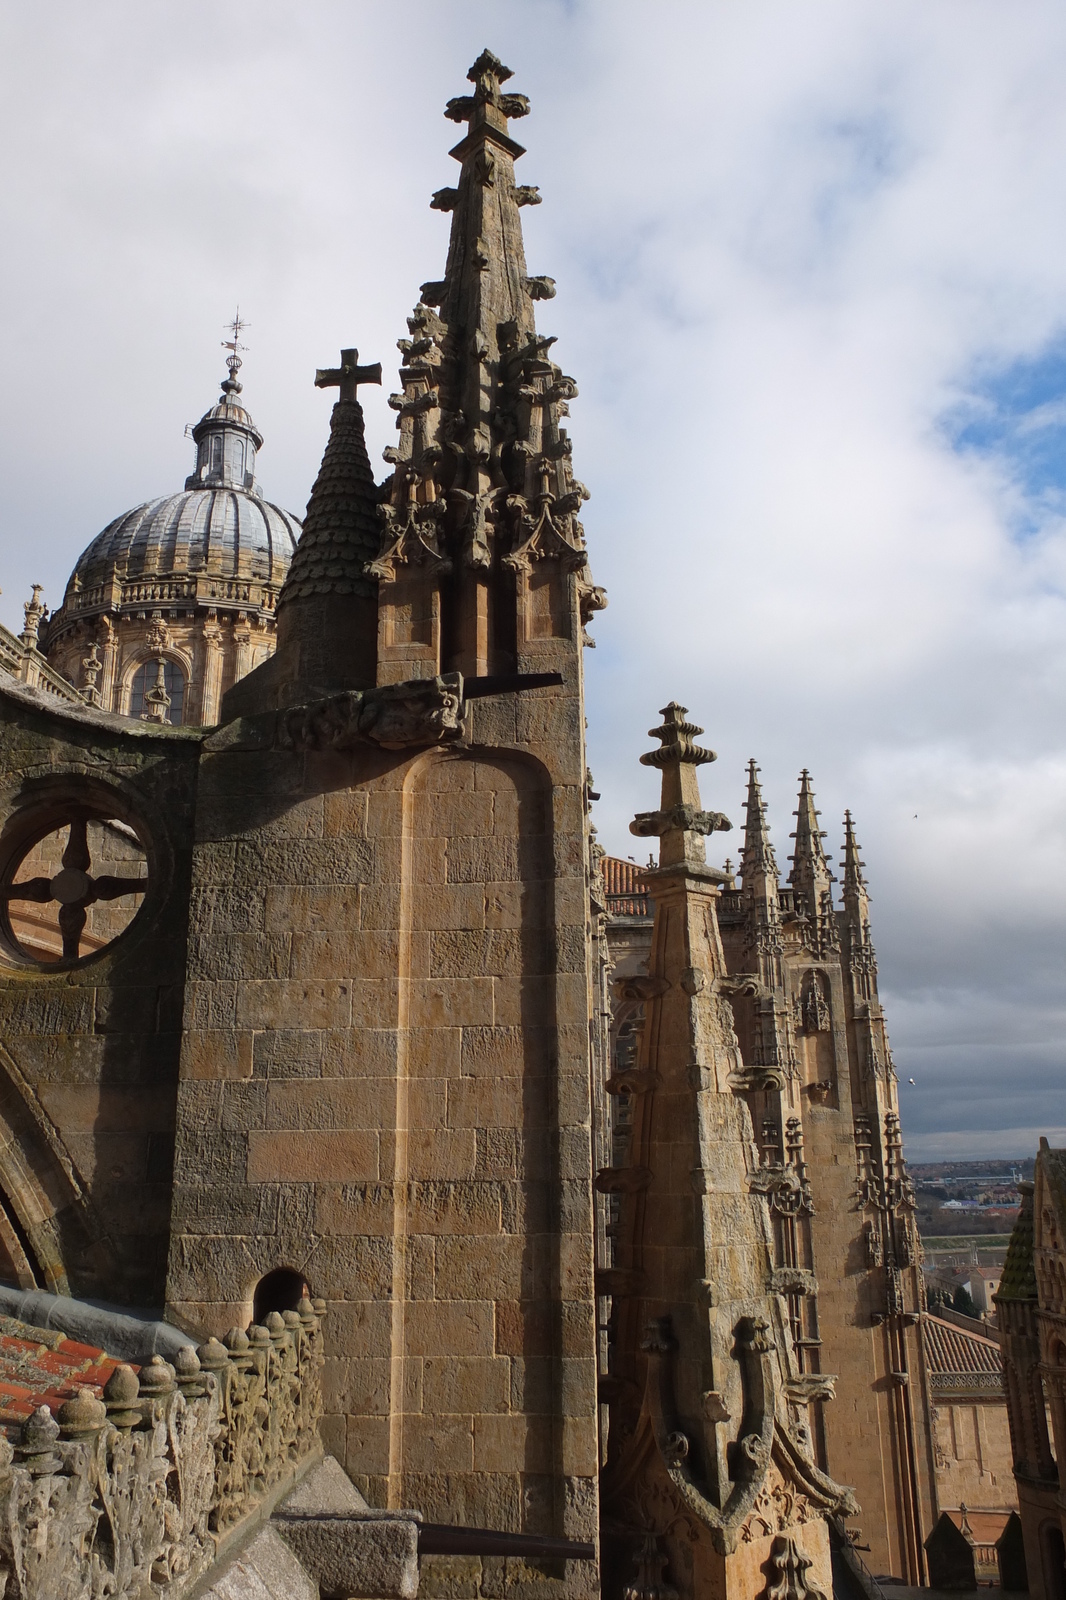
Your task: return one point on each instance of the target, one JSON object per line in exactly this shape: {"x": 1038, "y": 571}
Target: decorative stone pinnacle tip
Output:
{"x": 487, "y": 62}
{"x": 677, "y": 740}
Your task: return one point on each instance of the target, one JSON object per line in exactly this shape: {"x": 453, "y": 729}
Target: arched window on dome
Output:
{"x": 146, "y": 679}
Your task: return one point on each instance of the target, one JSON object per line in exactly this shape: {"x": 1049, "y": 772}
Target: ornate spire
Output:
{"x": 810, "y": 876}
{"x": 759, "y": 860}
{"x": 482, "y": 483}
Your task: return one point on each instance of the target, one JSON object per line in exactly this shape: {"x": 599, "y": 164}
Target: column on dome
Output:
{"x": 212, "y": 658}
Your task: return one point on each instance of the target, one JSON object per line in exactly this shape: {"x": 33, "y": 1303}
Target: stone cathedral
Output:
{"x": 325, "y": 1020}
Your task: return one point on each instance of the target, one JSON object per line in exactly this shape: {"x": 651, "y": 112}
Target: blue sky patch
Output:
{"x": 1017, "y": 412}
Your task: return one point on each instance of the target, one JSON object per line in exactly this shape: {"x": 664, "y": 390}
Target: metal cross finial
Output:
{"x": 234, "y": 345}
{"x": 348, "y": 376}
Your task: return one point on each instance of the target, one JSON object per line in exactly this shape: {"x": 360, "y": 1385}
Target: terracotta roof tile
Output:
{"x": 41, "y": 1367}
{"x": 986, "y": 1526}
{"x": 950, "y": 1349}
{"x": 623, "y": 882}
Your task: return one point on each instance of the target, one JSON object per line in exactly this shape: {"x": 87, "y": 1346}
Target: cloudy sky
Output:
{"x": 811, "y": 268}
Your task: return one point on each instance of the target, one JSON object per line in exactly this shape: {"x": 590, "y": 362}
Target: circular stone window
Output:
{"x": 70, "y": 886}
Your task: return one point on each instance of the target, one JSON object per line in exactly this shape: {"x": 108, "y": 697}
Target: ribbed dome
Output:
{"x": 219, "y": 526}
{"x": 226, "y": 533}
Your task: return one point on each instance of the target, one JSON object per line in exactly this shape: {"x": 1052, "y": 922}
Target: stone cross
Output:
{"x": 348, "y": 376}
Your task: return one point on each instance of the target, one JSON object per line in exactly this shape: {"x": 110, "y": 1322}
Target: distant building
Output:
{"x": 970, "y": 1426}
{"x": 984, "y": 1284}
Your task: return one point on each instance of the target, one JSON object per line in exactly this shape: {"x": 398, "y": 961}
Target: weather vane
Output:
{"x": 234, "y": 346}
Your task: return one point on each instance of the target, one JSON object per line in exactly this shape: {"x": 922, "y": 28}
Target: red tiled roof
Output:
{"x": 986, "y": 1526}
{"x": 623, "y": 882}
{"x": 951, "y": 1349}
{"x": 42, "y": 1367}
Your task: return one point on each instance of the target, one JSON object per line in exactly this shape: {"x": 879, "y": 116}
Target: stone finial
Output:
{"x": 82, "y": 1415}
{"x": 259, "y": 1339}
{"x": 121, "y": 1393}
{"x": 854, "y": 882}
{"x": 35, "y": 614}
{"x": 811, "y": 877}
{"x": 214, "y": 1357}
{"x": 91, "y": 667}
{"x": 676, "y": 736}
{"x": 156, "y": 699}
{"x": 157, "y": 1379}
{"x": 487, "y": 107}
{"x": 36, "y": 1446}
{"x": 809, "y": 853}
{"x": 188, "y": 1372}
{"x": 680, "y": 824}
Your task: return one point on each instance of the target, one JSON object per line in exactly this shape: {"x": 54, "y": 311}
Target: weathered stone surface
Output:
{"x": 267, "y": 1569}
{"x": 364, "y": 1555}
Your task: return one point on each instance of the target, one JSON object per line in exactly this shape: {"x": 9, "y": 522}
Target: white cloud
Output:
{"x": 788, "y": 240}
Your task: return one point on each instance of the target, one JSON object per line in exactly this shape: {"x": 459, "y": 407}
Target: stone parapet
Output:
{"x": 136, "y": 1491}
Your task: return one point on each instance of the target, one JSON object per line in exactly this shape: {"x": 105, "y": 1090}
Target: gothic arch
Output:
{"x": 45, "y": 1214}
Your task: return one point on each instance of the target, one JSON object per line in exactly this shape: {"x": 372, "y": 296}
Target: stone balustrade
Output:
{"x": 133, "y": 1494}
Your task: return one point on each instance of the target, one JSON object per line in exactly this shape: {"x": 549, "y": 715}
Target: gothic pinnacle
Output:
{"x": 810, "y": 876}
{"x": 853, "y": 878}
{"x": 809, "y": 854}
{"x": 758, "y": 856}
{"x": 482, "y": 479}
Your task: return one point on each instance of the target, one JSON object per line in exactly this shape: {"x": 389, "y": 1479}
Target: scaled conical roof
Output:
{"x": 341, "y": 529}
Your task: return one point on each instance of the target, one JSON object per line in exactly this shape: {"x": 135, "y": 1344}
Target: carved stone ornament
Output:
{"x": 774, "y": 1484}
{"x": 786, "y": 1573}
{"x": 803, "y": 1387}
{"x": 411, "y": 535}
{"x": 793, "y": 1280}
{"x": 757, "y": 1078}
{"x": 640, "y": 987}
{"x": 423, "y": 711}
{"x": 649, "y": 1567}
{"x": 158, "y": 634}
{"x": 653, "y": 824}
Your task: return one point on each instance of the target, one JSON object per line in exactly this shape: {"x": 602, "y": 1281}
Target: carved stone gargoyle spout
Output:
{"x": 425, "y": 711}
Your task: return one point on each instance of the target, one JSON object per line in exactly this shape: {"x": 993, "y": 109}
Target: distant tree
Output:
{"x": 962, "y": 1302}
